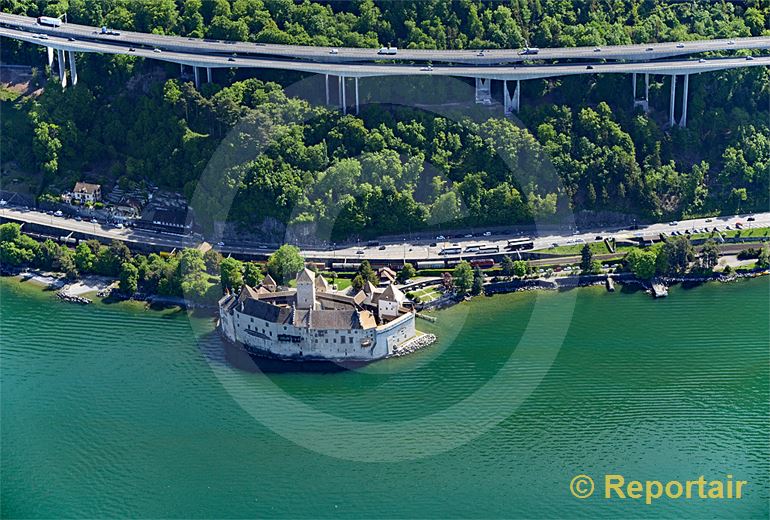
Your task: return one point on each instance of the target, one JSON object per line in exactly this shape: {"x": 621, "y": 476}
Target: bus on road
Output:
{"x": 520, "y": 244}
{"x": 49, "y": 21}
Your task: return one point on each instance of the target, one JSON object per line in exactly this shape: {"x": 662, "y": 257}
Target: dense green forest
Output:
{"x": 393, "y": 169}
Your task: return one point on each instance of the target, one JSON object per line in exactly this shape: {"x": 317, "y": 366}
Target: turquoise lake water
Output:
{"x": 110, "y": 410}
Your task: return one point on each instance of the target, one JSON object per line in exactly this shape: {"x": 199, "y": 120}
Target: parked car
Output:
{"x": 751, "y": 219}
{"x": 487, "y": 233}
{"x": 359, "y": 252}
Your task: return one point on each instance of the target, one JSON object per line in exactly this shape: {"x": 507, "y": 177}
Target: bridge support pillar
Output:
{"x": 326, "y": 81}
{"x": 73, "y": 69}
{"x": 181, "y": 69}
{"x": 208, "y": 75}
{"x": 506, "y": 99}
{"x": 196, "y": 74}
{"x": 672, "y": 103}
{"x": 511, "y": 102}
{"x": 645, "y": 101}
{"x": 683, "y": 120}
{"x": 483, "y": 91}
{"x": 344, "y": 96}
{"x": 339, "y": 91}
{"x": 50, "y": 57}
{"x": 517, "y": 96}
{"x": 647, "y": 92}
{"x": 62, "y": 68}
{"x": 357, "y": 107}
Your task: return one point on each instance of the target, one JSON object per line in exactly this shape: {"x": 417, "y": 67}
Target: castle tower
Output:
{"x": 306, "y": 289}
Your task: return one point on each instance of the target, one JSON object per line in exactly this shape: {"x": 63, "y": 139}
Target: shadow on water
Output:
{"x": 219, "y": 352}
{"x": 49, "y": 287}
{"x": 168, "y": 310}
{"x": 690, "y": 284}
{"x": 113, "y": 299}
{"x": 631, "y": 288}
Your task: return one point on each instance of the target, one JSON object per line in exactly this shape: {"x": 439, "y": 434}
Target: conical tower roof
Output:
{"x": 321, "y": 285}
{"x": 306, "y": 275}
{"x": 269, "y": 283}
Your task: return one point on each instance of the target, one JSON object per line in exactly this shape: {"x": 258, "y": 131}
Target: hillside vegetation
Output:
{"x": 395, "y": 169}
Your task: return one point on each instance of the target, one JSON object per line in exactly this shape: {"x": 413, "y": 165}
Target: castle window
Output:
{"x": 342, "y": 340}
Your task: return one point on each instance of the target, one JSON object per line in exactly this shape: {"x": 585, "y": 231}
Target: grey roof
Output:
{"x": 246, "y": 292}
{"x": 338, "y": 301}
{"x": 227, "y": 302}
{"x": 334, "y": 319}
{"x": 266, "y": 311}
{"x": 301, "y": 318}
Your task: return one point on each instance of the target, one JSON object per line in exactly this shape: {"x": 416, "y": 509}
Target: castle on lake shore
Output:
{"x": 314, "y": 322}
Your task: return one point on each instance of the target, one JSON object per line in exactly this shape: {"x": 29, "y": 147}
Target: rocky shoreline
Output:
{"x": 413, "y": 345}
{"x": 72, "y": 298}
{"x": 621, "y": 278}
